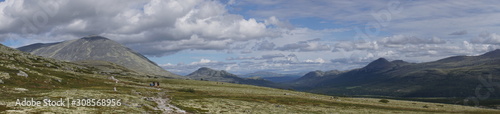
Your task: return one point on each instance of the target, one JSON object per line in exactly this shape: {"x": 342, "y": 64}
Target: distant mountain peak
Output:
{"x": 205, "y": 69}
{"x": 378, "y": 64}
{"x": 400, "y": 62}
{"x": 382, "y": 59}
{"x": 208, "y": 72}
{"x": 98, "y": 48}
{"x": 494, "y": 53}
{"x": 94, "y": 37}
{"x": 317, "y": 73}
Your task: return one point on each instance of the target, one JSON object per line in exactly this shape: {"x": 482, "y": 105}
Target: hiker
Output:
{"x": 152, "y": 84}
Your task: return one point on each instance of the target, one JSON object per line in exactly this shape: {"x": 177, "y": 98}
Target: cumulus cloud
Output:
{"x": 395, "y": 41}
{"x": 321, "y": 9}
{"x": 487, "y": 38}
{"x": 262, "y": 37}
{"x": 278, "y": 57}
{"x": 203, "y": 61}
{"x": 272, "y": 62}
{"x": 395, "y": 16}
{"x": 156, "y": 27}
{"x": 318, "y": 60}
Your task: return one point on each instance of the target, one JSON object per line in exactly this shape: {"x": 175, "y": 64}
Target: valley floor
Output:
{"x": 191, "y": 96}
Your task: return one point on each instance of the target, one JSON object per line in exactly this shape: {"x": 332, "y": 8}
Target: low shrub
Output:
{"x": 189, "y": 90}
{"x": 383, "y": 101}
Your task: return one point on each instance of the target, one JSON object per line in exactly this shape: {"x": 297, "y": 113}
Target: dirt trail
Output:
{"x": 165, "y": 106}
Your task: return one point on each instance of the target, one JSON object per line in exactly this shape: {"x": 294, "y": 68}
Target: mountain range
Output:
{"x": 458, "y": 76}
{"x": 274, "y": 77}
{"x": 27, "y": 76}
{"x": 208, "y": 74}
{"x": 98, "y": 48}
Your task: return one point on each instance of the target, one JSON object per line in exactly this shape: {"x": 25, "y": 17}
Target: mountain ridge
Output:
{"x": 208, "y": 74}
{"x": 98, "y": 48}
{"x": 273, "y": 77}
{"x": 455, "y": 76}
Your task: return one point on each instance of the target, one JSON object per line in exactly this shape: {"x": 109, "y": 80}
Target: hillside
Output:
{"x": 208, "y": 74}
{"x": 27, "y": 76}
{"x": 310, "y": 79}
{"x": 453, "y": 77}
{"x": 97, "y": 48}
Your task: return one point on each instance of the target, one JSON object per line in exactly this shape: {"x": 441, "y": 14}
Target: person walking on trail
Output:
{"x": 155, "y": 84}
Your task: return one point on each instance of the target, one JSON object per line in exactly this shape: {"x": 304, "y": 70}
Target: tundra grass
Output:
{"x": 194, "y": 96}
{"x": 217, "y": 97}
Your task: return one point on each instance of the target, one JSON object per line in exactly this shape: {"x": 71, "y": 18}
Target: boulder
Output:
{"x": 22, "y": 73}
{"x": 4, "y": 75}
{"x": 20, "y": 89}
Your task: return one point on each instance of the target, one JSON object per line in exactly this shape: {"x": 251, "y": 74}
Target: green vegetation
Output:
{"x": 235, "y": 98}
{"x": 73, "y": 81}
{"x": 451, "y": 79}
{"x": 383, "y": 101}
{"x": 190, "y": 90}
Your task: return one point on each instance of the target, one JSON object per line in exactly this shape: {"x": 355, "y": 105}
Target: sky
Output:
{"x": 244, "y": 36}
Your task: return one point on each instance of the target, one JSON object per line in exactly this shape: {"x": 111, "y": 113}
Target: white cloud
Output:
{"x": 203, "y": 61}
{"x": 487, "y": 38}
{"x": 161, "y": 27}
{"x": 413, "y": 18}
{"x": 276, "y": 63}
{"x": 262, "y": 37}
{"x": 318, "y": 60}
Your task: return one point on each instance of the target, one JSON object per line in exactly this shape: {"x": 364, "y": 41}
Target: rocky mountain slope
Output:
{"x": 312, "y": 77}
{"x": 97, "y": 48}
{"x": 458, "y": 76}
{"x": 24, "y": 75}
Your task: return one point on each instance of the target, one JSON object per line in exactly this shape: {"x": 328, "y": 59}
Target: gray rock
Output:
{"x": 20, "y": 89}
{"x": 1, "y": 82}
{"x": 22, "y": 73}
{"x": 4, "y": 75}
